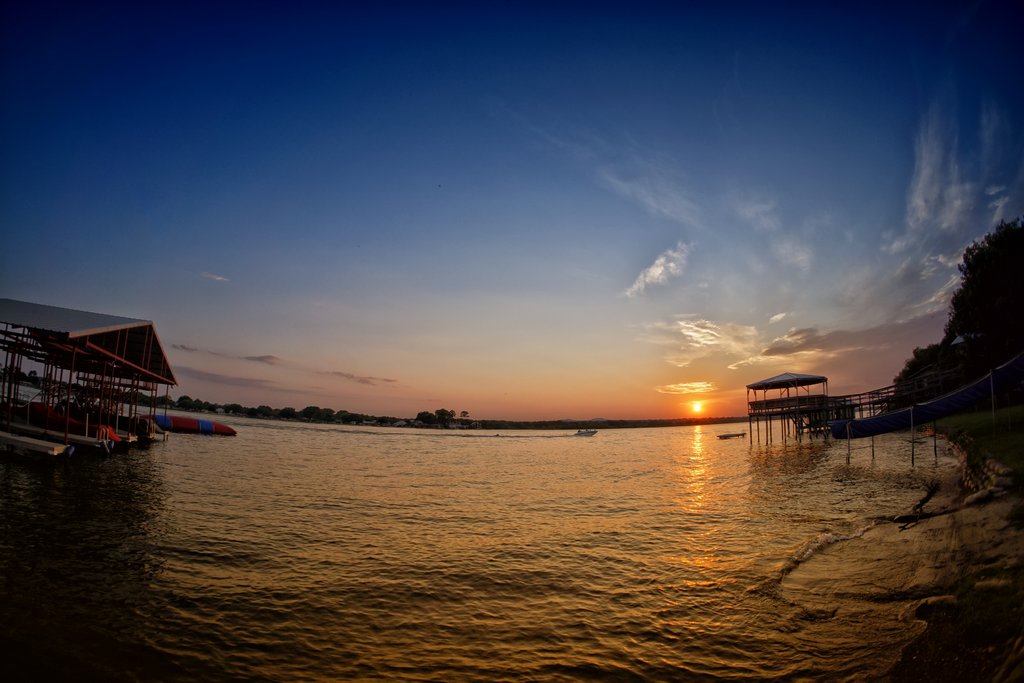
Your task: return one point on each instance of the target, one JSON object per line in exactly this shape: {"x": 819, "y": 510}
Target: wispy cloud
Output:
{"x": 788, "y": 248}
{"x": 268, "y": 359}
{"x": 700, "y": 333}
{"x": 655, "y": 188}
{"x": 670, "y": 263}
{"x": 701, "y": 338}
{"x": 359, "y": 379}
{"x": 735, "y": 346}
{"x": 684, "y": 388}
{"x": 656, "y": 184}
{"x": 993, "y": 134}
{"x": 778, "y": 317}
{"x": 763, "y": 214}
{"x": 214, "y": 277}
{"x": 803, "y": 340}
{"x": 938, "y": 198}
{"x": 792, "y": 251}
{"x": 952, "y": 198}
{"x": 810, "y": 346}
{"x": 916, "y": 285}
{"x": 228, "y": 380}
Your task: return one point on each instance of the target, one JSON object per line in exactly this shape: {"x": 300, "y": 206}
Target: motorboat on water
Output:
{"x": 586, "y": 432}
{"x": 732, "y": 435}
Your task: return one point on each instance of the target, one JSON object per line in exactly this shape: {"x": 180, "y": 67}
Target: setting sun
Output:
{"x": 696, "y": 406}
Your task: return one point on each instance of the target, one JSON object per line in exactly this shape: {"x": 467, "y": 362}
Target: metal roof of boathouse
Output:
{"x": 89, "y": 342}
{"x": 787, "y": 379}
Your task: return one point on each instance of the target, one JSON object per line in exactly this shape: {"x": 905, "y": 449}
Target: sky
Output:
{"x": 519, "y": 210}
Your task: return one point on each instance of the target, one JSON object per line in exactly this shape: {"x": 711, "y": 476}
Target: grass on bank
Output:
{"x": 1001, "y": 438}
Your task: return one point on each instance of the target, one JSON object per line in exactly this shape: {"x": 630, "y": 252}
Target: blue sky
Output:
{"x": 610, "y": 209}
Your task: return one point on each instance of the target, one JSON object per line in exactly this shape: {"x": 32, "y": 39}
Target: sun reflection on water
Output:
{"x": 694, "y": 472}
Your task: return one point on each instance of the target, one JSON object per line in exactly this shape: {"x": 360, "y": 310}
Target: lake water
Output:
{"x": 307, "y": 552}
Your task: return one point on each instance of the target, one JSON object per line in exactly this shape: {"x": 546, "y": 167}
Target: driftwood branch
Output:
{"x": 917, "y": 512}
{"x": 933, "y": 488}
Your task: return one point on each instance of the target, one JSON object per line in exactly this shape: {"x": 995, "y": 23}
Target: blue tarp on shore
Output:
{"x": 1006, "y": 375}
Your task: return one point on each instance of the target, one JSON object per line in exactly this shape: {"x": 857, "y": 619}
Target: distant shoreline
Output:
{"x": 508, "y": 424}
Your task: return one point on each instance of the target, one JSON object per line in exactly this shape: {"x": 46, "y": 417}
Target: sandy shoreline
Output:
{"x": 886, "y": 579}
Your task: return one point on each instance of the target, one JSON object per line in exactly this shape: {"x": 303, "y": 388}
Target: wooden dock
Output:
{"x": 54, "y": 436}
{"x": 31, "y": 445}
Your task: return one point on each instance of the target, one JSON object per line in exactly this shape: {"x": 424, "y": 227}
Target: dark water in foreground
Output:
{"x": 298, "y": 552}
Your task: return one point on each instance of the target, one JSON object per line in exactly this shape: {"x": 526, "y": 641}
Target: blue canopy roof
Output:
{"x": 787, "y": 379}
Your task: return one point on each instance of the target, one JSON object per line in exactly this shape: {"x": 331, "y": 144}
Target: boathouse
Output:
{"x": 89, "y": 375}
{"x": 799, "y": 403}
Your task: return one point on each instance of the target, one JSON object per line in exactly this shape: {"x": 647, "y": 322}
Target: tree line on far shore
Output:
{"x": 307, "y": 414}
{"x": 440, "y": 418}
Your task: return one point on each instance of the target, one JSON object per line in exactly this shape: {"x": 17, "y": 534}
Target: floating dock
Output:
{"x": 27, "y": 443}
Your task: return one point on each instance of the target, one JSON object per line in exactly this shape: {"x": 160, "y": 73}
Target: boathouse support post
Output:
{"x": 4, "y": 382}
{"x": 935, "y": 440}
{"x": 167, "y": 399}
{"x": 67, "y": 401}
{"x": 913, "y": 436}
{"x": 849, "y": 445}
{"x": 992, "y": 390}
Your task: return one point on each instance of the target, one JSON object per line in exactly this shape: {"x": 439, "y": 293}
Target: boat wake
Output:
{"x": 770, "y": 586}
{"x": 817, "y": 545}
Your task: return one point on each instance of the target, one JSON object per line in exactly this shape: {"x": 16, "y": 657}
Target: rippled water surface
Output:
{"x": 301, "y": 552}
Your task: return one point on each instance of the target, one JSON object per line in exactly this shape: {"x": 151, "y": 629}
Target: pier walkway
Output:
{"x": 1003, "y": 377}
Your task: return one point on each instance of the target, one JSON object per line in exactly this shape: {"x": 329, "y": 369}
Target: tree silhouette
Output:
{"x": 984, "y": 312}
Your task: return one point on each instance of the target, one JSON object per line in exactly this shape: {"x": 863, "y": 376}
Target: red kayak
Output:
{"x": 42, "y": 415}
